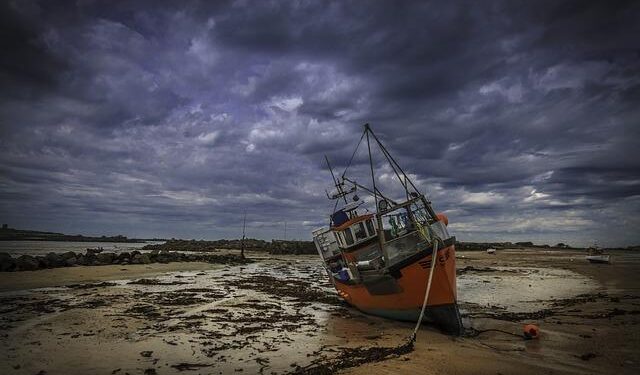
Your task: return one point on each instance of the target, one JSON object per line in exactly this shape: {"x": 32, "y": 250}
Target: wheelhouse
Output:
{"x": 356, "y": 231}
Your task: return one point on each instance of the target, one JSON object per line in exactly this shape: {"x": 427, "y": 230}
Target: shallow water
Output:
{"x": 519, "y": 289}
{"x": 16, "y": 248}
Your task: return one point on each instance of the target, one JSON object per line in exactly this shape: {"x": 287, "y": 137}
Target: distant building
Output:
{"x": 5, "y": 226}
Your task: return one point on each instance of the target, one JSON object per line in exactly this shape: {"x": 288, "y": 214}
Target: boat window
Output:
{"x": 370, "y": 227}
{"x": 396, "y": 224}
{"x": 348, "y": 237}
{"x": 420, "y": 212}
{"x": 369, "y": 252}
{"x": 359, "y": 231}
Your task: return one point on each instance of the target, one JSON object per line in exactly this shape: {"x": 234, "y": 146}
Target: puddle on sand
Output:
{"x": 519, "y": 289}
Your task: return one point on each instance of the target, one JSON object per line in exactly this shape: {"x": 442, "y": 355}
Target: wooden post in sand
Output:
{"x": 244, "y": 225}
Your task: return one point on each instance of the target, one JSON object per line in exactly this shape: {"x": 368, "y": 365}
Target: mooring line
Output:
{"x": 434, "y": 254}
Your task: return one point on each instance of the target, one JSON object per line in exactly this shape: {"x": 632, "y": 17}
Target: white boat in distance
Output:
{"x": 597, "y": 256}
{"x": 602, "y": 258}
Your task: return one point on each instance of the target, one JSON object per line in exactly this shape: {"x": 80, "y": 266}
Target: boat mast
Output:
{"x": 373, "y": 177}
{"x": 385, "y": 256}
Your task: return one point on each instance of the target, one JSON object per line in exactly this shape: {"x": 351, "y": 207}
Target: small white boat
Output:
{"x": 603, "y": 258}
{"x": 491, "y": 251}
{"x": 596, "y": 255}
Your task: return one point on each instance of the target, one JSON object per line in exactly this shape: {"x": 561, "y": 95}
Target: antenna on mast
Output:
{"x": 338, "y": 185}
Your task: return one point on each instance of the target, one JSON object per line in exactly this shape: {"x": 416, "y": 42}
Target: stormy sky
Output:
{"x": 520, "y": 120}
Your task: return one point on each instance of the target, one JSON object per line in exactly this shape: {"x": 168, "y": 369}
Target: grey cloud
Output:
{"x": 171, "y": 119}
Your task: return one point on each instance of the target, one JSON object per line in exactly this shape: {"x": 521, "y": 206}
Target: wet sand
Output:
{"x": 63, "y": 276}
{"x": 281, "y": 316}
{"x": 594, "y": 331}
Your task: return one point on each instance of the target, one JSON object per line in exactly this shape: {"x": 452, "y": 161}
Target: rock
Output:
{"x": 140, "y": 259}
{"x": 54, "y": 260}
{"x": 124, "y": 255}
{"x": 136, "y": 259}
{"x": 68, "y": 254}
{"x": 81, "y": 260}
{"x": 42, "y": 262}
{"x": 154, "y": 253}
{"x": 26, "y": 263}
{"x": 69, "y": 262}
{"x": 94, "y": 251}
{"x": 164, "y": 257}
{"x": 7, "y": 263}
{"x": 145, "y": 259}
{"x": 90, "y": 257}
{"x": 105, "y": 258}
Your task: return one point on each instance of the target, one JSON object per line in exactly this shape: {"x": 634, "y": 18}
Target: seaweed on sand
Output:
{"x": 353, "y": 357}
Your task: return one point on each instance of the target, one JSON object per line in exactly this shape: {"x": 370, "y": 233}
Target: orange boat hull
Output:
{"x": 406, "y": 301}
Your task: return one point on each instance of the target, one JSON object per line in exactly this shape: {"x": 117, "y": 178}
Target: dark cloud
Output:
{"x": 27, "y": 67}
{"x": 519, "y": 119}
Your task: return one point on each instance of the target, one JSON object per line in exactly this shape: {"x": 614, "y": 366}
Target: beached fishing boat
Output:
{"x": 382, "y": 261}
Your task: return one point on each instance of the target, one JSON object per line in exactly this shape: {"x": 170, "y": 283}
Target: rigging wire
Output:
{"x": 373, "y": 177}
{"x": 393, "y": 161}
{"x": 353, "y": 155}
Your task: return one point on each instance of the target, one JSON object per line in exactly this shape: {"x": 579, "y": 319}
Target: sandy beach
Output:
{"x": 280, "y": 315}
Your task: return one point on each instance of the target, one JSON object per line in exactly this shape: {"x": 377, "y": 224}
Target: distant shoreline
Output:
{"x": 302, "y": 247}
{"x": 83, "y": 239}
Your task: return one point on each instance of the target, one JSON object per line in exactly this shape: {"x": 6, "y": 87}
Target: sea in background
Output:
{"x": 17, "y": 248}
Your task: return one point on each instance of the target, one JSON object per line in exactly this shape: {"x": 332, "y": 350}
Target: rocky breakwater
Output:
{"x": 95, "y": 257}
{"x": 278, "y": 247}
{"x": 292, "y": 247}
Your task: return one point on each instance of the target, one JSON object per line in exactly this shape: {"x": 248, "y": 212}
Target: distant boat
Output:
{"x": 491, "y": 251}
{"x": 597, "y": 256}
{"x": 604, "y": 258}
{"x": 381, "y": 261}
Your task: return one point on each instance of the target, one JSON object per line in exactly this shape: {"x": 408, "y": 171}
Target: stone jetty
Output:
{"x": 97, "y": 257}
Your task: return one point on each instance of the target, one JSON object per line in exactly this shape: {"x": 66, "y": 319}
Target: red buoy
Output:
{"x": 531, "y": 331}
